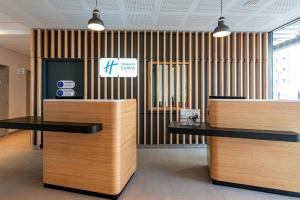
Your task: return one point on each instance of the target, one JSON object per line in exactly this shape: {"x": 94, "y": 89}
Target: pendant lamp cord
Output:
{"x": 221, "y": 8}
{"x": 96, "y": 3}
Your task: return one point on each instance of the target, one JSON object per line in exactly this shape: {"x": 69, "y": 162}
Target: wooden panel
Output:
{"x": 176, "y": 83}
{"x": 32, "y": 74}
{"x": 221, "y": 73}
{"x": 269, "y": 164}
{"x": 102, "y": 162}
{"x": 99, "y": 57}
{"x": 240, "y": 65}
{"x": 189, "y": 77}
{"x": 52, "y": 44}
{"x": 45, "y": 43}
{"x": 92, "y": 71}
{"x": 215, "y": 71}
{"x": 202, "y": 83}
{"x": 233, "y": 68}
{"x": 79, "y": 44}
{"x": 85, "y": 63}
{"x": 66, "y": 55}
{"x": 59, "y": 49}
{"x": 105, "y": 56}
{"x": 183, "y": 81}
{"x": 252, "y": 73}
{"x": 112, "y": 55}
{"x": 255, "y": 114}
{"x": 138, "y": 88}
{"x": 208, "y": 66}
{"x": 164, "y": 89}
{"x": 259, "y": 66}
{"x": 247, "y": 70}
{"x": 131, "y": 55}
{"x": 171, "y": 84}
{"x": 228, "y": 60}
{"x": 265, "y": 66}
{"x": 119, "y": 43}
{"x": 39, "y": 72}
{"x": 72, "y": 44}
{"x": 125, "y": 55}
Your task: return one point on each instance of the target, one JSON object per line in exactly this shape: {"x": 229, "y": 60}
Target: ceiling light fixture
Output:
{"x": 95, "y": 23}
{"x": 221, "y": 30}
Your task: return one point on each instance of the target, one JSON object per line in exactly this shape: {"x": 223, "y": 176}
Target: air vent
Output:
{"x": 251, "y": 3}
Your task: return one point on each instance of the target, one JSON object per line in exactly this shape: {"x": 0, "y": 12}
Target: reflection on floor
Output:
{"x": 175, "y": 174}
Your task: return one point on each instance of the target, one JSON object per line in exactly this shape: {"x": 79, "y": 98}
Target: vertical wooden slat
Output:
{"x": 138, "y": 87}
{"x": 259, "y": 66}
{"x": 171, "y": 83}
{"x": 105, "y": 56}
{"x": 66, "y": 44}
{"x": 157, "y": 88}
{"x": 85, "y": 63}
{"x": 92, "y": 65}
{"x": 99, "y": 55}
{"x": 221, "y": 83}
{"x": 119, "y": 43}
{"x": 265, "y": 66}
{"x": 59, "y": 44}
{"x": 131, "y": 55}
{"x": 183, "y": 81}
{"x": 32, "y": 73}
{"x": 252, "y": 79}
{"x": 79, "y": 44}
{"x": 240, "y": 65}
{"x": 176, "y": 82}
{"x": 215, "y": 61}
{"x": 112, "y": 55}
{"x": 202, "y": 81}
{"x": 39, "y": 73}
{"x": 189, "y": 79}
{"x": 45, "y": 43}
{"x": 208, "y": 67}
{"x": 52, "y": 43}
{"x": 196, "y": 82}
{"x": 233, "y": 70}
{"x": 145, "y": 87}
{"x": 247, "y": 71}
{"x": 150, "y": 87}
{"x": 125, "y": 55}
{"x": 227, "y": 79}
{"x": 164, "y": 88}
{"x": 72, "y": 44}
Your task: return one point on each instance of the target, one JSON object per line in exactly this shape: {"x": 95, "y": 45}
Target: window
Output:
{"x": 177, "y": 85}
{"x": 286, "y": 62}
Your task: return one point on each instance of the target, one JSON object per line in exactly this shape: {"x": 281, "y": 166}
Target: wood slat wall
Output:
{"x": 235, "y": 65}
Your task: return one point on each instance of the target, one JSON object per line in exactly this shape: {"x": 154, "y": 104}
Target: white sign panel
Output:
{"x": 118, "y": 67}
{"x": 65, "y": 93}
{"x": 65, "y": 84}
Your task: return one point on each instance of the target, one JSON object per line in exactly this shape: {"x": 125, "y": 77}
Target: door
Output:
{"x": 4, "y": 87}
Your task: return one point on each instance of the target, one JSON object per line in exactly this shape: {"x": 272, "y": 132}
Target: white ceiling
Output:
{"x": 187, "y": 15}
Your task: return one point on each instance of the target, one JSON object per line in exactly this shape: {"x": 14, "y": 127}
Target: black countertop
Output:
{"x": 205, "y": 129}
{"x": 36, "y": 123}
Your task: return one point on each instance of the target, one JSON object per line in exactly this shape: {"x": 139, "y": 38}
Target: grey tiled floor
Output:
{"x": 163, "y": 174}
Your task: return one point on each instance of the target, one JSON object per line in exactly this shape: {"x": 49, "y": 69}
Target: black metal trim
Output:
{"x": 286, "y": 24}
{"x": 256, "y": 188}
{"x": 204, "y": 129}
{"x": 79, "y": 191}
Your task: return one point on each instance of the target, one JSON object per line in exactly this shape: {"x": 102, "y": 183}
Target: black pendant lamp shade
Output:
{"x": 95, "y": 23}
{"x": 221, "y": 30}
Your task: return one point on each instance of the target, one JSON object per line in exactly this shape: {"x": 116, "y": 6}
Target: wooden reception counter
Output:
{"x": 99, "y": 164}
{"x": 271, "y": 166}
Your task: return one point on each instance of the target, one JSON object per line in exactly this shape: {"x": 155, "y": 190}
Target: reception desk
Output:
{"x": 99, "y": 164}
{"x": 266, "y": 165}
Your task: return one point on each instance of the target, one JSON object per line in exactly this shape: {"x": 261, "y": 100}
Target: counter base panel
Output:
{"x": 96, "y": 194}
{"x": 255, "y": 188}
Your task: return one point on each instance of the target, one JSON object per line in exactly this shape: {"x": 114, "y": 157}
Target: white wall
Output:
{"x": 17, "y": 82}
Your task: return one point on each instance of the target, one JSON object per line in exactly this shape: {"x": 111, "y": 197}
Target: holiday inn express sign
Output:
{"x": 118, "y": 67}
